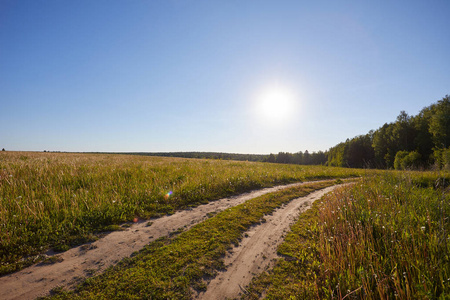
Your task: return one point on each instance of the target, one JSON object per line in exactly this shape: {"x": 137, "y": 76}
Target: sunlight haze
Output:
{"x": 276, "y": 104}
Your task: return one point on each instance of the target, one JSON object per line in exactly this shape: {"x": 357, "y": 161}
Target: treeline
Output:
{"x": 411, "y": 142}
{"x": 299, "y": 158}
{"x": 207, "y": 155}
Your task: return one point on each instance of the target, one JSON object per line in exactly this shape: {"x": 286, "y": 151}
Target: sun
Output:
{"x": 276, "y": 103}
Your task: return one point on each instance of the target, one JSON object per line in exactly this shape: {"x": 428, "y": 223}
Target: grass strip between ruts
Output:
{"x": 170, "y": 268}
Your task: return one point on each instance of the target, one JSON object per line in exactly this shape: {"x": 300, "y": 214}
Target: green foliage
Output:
{"x": 299, "y": 158}
{"x": 404, "y": 132}
{"x": 354, "y": 153}
{"x": 399, "y": 157}
{"x": 420, "y": 134}
{"x": 60, "y": 200}
{"x": 336, "y": 155}
{"x": 440, "y": 123}
{"x": 407, "y": 160}
{"x": 442, "y": 158}
{"x": 383, "y": 238}
{"x": 384, "y": 146}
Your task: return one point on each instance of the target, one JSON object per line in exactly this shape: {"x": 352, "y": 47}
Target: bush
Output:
{"x": 442, "y": 158}
{"x": 407, "y": 160}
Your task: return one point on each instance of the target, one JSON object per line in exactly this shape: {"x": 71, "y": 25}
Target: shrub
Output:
{"x": 442, "y": 158}
{"x": 407, "y": 160}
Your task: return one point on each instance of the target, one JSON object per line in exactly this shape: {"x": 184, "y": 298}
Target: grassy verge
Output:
{"x": 383, "y": 238}
{"x": 60, "y": 200}
{"x": 170, "y": 268}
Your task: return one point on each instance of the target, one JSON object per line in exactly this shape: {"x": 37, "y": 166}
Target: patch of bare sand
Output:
{"x": 258, "y": 250}
{"x": 84, "y": 261}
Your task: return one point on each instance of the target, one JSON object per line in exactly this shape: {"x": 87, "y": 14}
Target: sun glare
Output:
{"x": 276, "y": 103}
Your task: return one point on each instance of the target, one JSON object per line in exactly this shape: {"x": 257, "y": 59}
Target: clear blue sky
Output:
{"x": 189, "y": 75}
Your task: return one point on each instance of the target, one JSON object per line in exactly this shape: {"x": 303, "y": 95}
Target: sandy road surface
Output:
{"x": 86, "y": 260}
{"x": 257, "y": 251}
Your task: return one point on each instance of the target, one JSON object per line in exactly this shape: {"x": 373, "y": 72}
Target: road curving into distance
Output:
{"x": 73, "y": 266}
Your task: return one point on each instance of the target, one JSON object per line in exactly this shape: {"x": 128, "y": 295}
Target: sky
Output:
{"x": 224, "y": 76}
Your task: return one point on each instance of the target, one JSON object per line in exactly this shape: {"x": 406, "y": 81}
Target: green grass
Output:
{"x": 60, "y": 200}
{"x": 170, "y": 268}
{"x": 383, "y": 238}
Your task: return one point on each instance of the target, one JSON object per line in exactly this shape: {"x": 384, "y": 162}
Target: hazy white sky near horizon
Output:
{"x": 188, "y": 75}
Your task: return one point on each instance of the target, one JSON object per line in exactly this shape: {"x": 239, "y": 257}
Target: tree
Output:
{"x": 271, "y": 158}
{"x": 440, "y": 123}
{"x": 404, "y": 132}
{"x": 408, "y": 142}
{"x": 306, "y": 158}
{"x": 318, "y": 158}
{"x": 360, "y": 153}
{"x": 384, "y": 146}
{"x": 336, "y": 155}
{"x": 423, "y": 141}
{"x": 298, "y": 158}
{"x": 283, "y": 158}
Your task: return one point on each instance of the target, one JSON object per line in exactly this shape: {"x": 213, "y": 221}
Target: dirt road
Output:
{"x": 257, "y": 251}
{"x": 81, "y": 262}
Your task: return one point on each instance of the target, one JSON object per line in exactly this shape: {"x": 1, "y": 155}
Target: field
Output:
{"x": 384, "y": 236}
{"x": 59, "y": 200}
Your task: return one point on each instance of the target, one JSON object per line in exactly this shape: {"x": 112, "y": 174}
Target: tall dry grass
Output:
{"x": 385, "y": 237}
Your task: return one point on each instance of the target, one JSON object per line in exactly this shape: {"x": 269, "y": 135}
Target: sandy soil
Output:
{"x": 87, "y": 260}
{"x": 257, "y": 251}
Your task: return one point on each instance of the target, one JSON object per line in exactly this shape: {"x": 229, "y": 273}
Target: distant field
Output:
{"x": 58, "y": 200}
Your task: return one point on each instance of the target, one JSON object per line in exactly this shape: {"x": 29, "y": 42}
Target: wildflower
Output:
{"x": 422, "y": 228}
